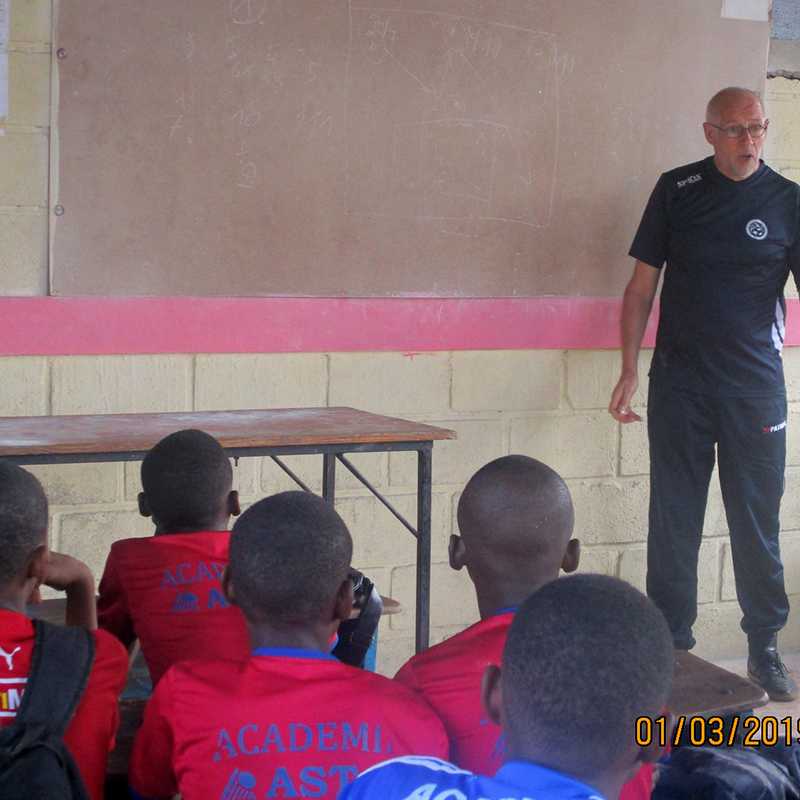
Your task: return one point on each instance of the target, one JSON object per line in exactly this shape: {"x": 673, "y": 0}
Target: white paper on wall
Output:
{"x": 755, "y": 10}
{"x": 5, "y": 16}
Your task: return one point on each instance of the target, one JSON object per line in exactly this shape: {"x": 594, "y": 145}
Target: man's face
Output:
{"x": 736, "y": 158}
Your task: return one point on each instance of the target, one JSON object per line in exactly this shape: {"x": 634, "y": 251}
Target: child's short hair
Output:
{"x": 185, "y": 478}
{"x": 23, "y": 518}
{"x": 518, "y": 505}
{"x": 289, "y": 554}
{"x": 585, "y": 656}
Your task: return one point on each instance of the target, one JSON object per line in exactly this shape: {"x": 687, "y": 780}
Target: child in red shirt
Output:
{"x": 516, "y": 519}
{"x": 166, "y": 589}
{"x": 289, "y": 720}
{"x": 28, "y": 563}
{"x": 585, "y": 657}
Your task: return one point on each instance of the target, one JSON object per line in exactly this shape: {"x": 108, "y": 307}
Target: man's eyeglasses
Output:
{"x": 755, "y": 129}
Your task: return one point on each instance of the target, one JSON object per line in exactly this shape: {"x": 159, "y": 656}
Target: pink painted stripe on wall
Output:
{"x": 116, "y": 325}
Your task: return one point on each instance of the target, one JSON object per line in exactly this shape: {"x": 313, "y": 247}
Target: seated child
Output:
{"x": 585, "y": 656}
{"x": 516, "y": 519}
{"x": 27, "y": 563}
{"x": 290, "y": 720}
{"x": 166, "y": 590}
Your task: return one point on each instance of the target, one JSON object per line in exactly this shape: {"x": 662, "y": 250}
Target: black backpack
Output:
{"x": 355, "y": 635}
{"x": 34, "y": 762}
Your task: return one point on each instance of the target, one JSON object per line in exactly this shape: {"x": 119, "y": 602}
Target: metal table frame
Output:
{"x": 331, "y": 453}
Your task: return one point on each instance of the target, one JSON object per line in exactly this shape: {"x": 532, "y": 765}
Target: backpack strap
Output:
{"x": 60, "y": 666}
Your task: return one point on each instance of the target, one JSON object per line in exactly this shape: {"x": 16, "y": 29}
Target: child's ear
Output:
{"x": 457, "y": 552}
{"x": 37, "y": 570}
{"x": 144, "y": 506}
{"x": 227, "y": 586}
{"x": 234, "y": 508}
{"x": 492, "y": 693}
{"x": 654, "y": 749}
{"x": 344, "y": 601}
{"x": 572, "y": 556}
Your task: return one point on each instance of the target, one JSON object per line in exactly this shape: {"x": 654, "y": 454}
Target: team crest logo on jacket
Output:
{"x": 240, "y": 786}
{"x": 756, "y": 229}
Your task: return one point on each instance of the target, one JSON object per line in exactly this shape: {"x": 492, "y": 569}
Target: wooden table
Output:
{"x": 700, "y": 688}
{"x": 329, "y": 432}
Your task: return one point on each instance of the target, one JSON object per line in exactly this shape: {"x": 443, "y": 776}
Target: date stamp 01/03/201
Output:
{"x": 745, "y": 731}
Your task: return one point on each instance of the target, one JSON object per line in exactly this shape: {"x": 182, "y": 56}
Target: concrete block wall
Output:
{"x": 783, "y": 110}
{"x": 549, "y": 404}
{"x": 24, "y": 152}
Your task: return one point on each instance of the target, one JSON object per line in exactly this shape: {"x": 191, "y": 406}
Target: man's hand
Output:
{"x": 636, "y": 304}
{"x": 620, "y": 405}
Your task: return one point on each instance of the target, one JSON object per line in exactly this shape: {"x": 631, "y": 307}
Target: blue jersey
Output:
{"x": 422, "y": 778}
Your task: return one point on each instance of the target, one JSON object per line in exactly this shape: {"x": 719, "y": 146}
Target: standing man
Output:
{"x": 728, "y": 229}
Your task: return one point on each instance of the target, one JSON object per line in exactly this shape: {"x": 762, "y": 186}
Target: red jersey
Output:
{"x": 284, "y": 723}
{"x": 448, "y": 676}
{"x": 90, "y": 735}
{"x": 166, "y": 591}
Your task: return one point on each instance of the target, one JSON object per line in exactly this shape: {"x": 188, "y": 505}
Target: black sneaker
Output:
{"x": 765, "y": 668}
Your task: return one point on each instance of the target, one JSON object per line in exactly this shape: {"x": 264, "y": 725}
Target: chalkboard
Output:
{"x": 357, "y": 148}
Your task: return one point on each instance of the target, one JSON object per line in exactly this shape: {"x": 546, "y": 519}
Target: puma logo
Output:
{"x": 9, "y": 657}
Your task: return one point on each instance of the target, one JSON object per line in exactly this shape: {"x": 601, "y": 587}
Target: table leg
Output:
{"x": 423, "y": 547}
{"x": 329, "y": 477}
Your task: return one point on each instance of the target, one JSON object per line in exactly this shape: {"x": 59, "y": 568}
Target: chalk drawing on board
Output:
{"x": 472, "y": 129}
{"x": 247, "y": 12}
{"x": 446, "y": 15}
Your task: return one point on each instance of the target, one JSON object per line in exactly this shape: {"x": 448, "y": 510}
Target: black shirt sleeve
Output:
{"x": 652, "y": 238}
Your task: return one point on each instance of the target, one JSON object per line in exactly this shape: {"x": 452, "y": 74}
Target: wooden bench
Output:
{"x": 131, "y": 712}
{"x": 701, "y": 688}
{"x": 54, "y": 609}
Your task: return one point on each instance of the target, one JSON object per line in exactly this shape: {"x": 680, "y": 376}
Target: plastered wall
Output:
{"x": 549, "y": 404}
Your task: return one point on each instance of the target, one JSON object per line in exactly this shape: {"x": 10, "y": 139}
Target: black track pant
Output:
{"x": 750, "y": 435}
